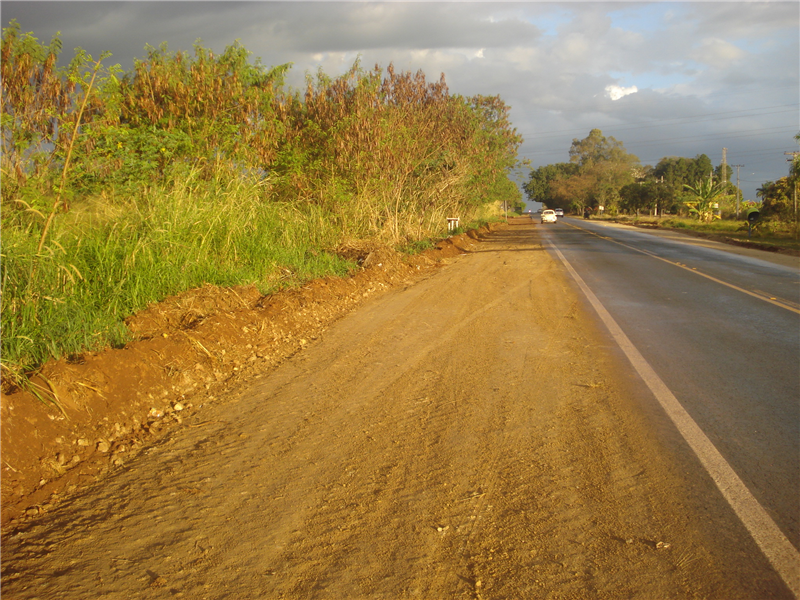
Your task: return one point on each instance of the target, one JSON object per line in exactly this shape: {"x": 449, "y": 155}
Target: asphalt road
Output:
{"x": 721, "y": 327}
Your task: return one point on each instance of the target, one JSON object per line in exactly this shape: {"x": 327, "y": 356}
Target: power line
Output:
{"x": 702, "y": 116}
{"x": 749, "y": 154}
{"x": 716, "y": 136}
{"x": 682, "y": 120}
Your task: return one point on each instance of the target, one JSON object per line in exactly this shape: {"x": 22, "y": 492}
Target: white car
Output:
{"x": 549, "y": 216}
{"x": 559, "y": 212}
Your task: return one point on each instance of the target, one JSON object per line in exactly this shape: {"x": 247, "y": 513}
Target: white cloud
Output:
{"x": 717, "y": 53}
{"x": 574, "y": 49}
{"x": 616, "y": 92}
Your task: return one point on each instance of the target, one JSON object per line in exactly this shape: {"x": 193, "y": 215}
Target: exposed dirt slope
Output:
{"x": 189, "y": 350}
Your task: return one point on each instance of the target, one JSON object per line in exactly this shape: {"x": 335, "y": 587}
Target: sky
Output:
{"x": 664, "y": 78}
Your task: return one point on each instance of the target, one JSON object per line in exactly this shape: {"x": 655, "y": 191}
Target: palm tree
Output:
{"x": 764, "y": 190}
{"x": 705, "y": 194}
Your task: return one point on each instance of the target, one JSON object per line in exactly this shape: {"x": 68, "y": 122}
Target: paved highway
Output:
{"x": 721, "y": 328}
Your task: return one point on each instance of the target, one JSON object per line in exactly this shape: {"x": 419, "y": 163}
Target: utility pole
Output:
{"x": 794, "y": 187}
{"x": 724, "y": 167}
{"x": 738, "y": 191}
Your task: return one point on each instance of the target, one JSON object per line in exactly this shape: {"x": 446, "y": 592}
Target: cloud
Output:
{"x": 717, "y": 53}
{"x": 755, "y": 20}
{"x": 616, "y": 92}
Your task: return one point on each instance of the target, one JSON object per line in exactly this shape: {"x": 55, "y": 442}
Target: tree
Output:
{"x": 673, "y": 173}
{"x": 779, "y": 197}
{"x": 644, "y": 195}
{"x": 604, "y": 164}
{"x": 776, "y": 198}
{"x": 538, "y": 188}
{"x": 598, "y": 168}
{"x": 597, "y": 149}
{"x": 36, "y": 97}
{"x": 794, "y": 175}
{"x": 704, "y": 195}
{"x": 727, "y": 176}
{"x": 795, "y": 168}
{"x": 574, "y": 192}
{"x": 635, "y": 197}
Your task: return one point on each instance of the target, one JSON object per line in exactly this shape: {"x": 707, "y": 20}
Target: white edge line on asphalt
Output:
{"x": 773, "y": 543}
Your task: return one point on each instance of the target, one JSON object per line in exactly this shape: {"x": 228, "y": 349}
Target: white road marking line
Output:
{"x": 782, "y": 303}
{"x": 773, "y": 543}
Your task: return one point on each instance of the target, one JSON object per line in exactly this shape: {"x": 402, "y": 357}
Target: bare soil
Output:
{"x": 468, "y": 432}
{"x": 189, "y": 350}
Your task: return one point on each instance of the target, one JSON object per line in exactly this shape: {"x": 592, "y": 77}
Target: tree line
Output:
{"x": 601, "y": 173}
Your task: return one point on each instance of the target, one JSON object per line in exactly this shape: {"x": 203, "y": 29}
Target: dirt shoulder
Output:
{"x": 472, "y": 434}
{"x": 189, "y": 350}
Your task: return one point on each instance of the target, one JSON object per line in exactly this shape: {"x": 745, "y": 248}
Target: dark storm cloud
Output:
{"x": 361, "y": 26}
{"x": 270, "y": 26}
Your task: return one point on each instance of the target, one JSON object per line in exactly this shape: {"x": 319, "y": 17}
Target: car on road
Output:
{"x": 559, "y": 212}
{"x": 549, "y": 216}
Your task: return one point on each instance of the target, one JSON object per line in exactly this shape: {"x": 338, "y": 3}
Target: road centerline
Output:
{"x": 782, "y": 303}
{"x": 777, "y": 548}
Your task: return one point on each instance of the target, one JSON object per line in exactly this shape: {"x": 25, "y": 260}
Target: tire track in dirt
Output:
{"x": 468, "y": 437}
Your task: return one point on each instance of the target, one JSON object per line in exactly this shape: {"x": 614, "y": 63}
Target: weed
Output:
{"x": 415, "y": 247}
{"x": 122, "y": 189}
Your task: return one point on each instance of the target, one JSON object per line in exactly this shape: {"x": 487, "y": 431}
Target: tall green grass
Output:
{"x": 204, "y": 168}
{"x": 108, "y": 258}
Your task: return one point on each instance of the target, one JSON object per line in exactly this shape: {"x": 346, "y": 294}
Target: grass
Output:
{"x": 107, "y": 259}
{"x": 415, "y": 247}
{"x": 366, "y": 156}
{"x": 768, "y": 234}
{"x": 111, "y": 256}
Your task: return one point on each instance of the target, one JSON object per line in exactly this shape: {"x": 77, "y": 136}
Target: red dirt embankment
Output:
{"x": 187, "y": 351}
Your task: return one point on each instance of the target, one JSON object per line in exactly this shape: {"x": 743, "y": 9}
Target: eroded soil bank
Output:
{"x": 471, "y": 434}
{"x": 188, "y": 351}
